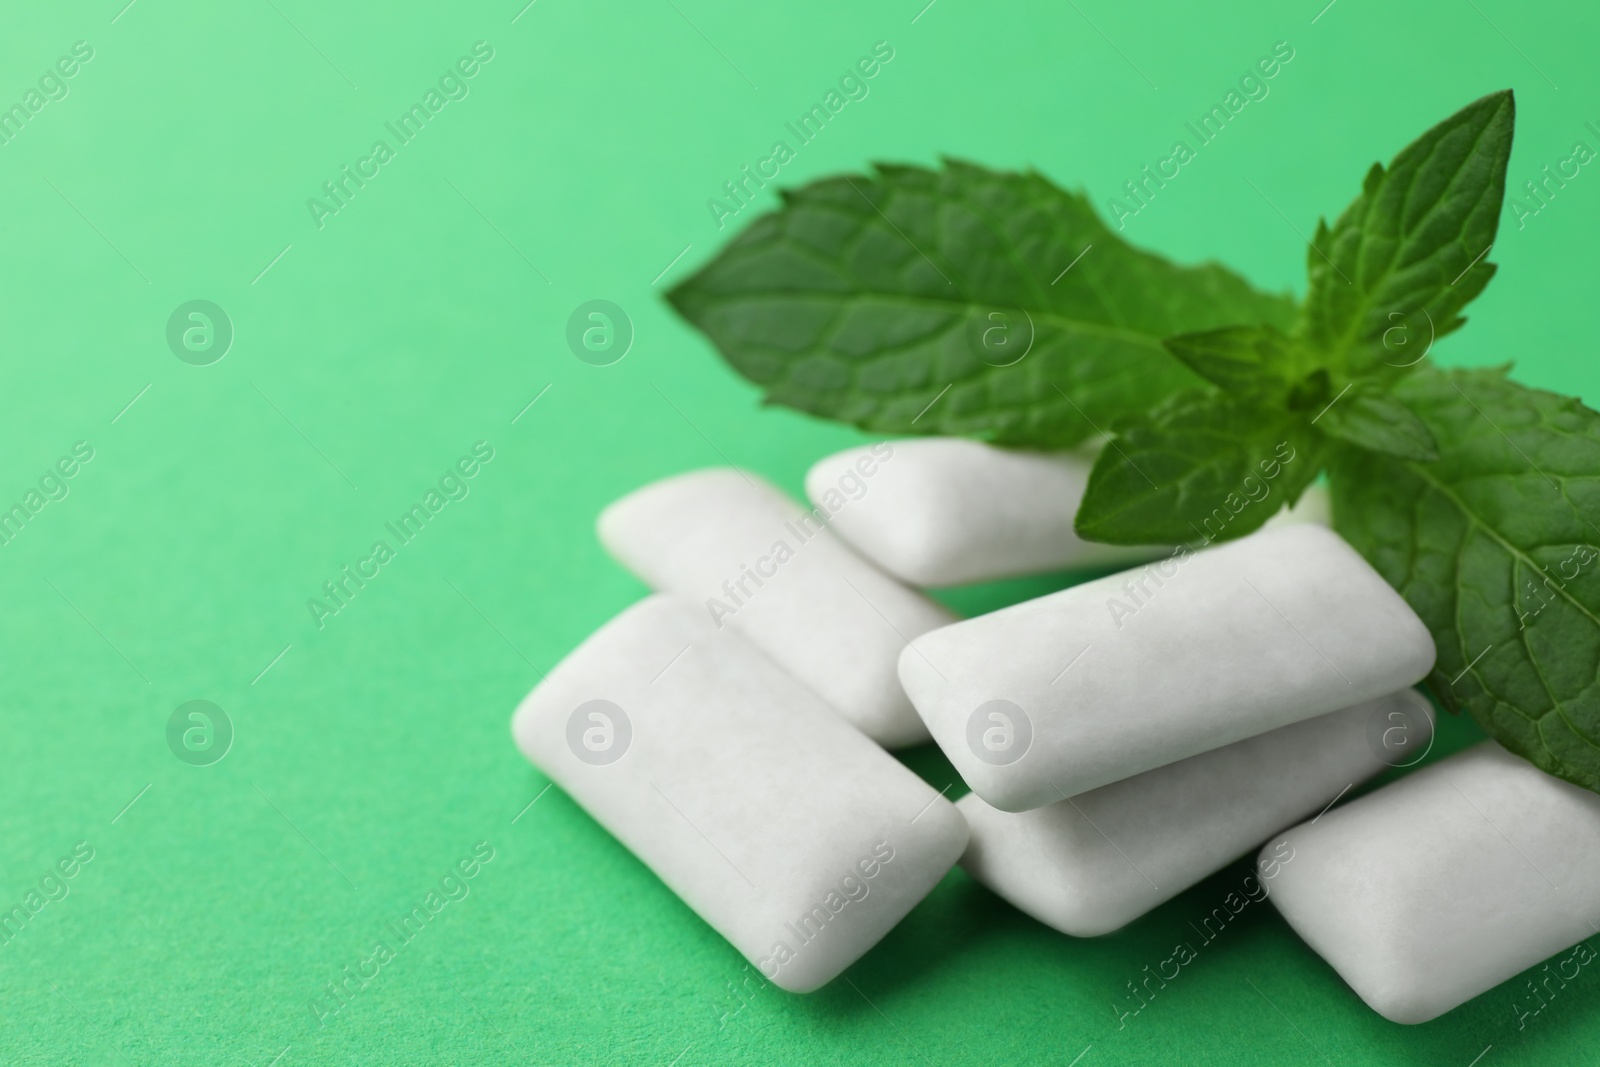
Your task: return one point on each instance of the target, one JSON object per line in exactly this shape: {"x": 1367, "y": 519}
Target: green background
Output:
{"x": 425, "y": 316}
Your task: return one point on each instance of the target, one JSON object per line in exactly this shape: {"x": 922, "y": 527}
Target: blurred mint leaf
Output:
{"x": 1244, "y": 361}
{"x": 1377, "y": 421}
{"x": 1258, "y": 363}
{"x": 957, "y": 301}
{"x": 1492, "y": 547}
{"x": 1408, "y": 254}
{"x": 1200, "y": 468}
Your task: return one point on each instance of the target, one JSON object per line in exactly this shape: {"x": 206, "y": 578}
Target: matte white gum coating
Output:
{"x": 780, "y": 824}
{"x": 757, "y": 562}
{"x": 1089, "y": 865}
{"x": 1446, "y": 883}
{"x": 1059, "y": 695}
{"x": 941, "y": 511}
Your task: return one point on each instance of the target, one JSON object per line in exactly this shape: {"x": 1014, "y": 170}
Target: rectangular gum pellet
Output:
{"x": 757, "y": 562}
{"x": 1091, "y": 864}
{"x": 1438, "y": 887}
{"x": 1059, "y": 695}
{"x": 941, "y": 511}
{"x": 780, "y": 824}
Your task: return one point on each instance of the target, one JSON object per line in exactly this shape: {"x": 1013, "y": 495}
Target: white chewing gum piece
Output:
{"x": 1059, "y": 695}
{"x": 758, "y": 562}
{"x": 1442, "y": 885}
{"x": 780, "y": 824}
{"x": 939, "y": 511}
{"x": 942, "y": 511}
{"x": 1091, "y": 864}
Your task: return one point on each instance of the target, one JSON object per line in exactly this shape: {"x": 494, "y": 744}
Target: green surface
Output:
{"x": 374, "y": 754}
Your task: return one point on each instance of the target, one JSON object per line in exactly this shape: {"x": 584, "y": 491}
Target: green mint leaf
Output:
{"x": 1259, "y": 363}
{"x": 957, "y": 301}
{"x": 1244, "y": 361}
{"x": 1200, "y": 468}
{"x": 1494, "y": 547}
{"x": 1377, "y": 421}
{"x": 1408, "y": 254}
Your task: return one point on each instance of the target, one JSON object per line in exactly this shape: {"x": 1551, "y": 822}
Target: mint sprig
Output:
{"x": 1493, "y": 546}
{"x": 1410, "y": 249}
{"x": 1199, "y": 468}
{"x": 1374, "y": 420}
{"x": 1255, "y": 362}
{"x": 890, "y": 301}
{"x": 957, "y": 301}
